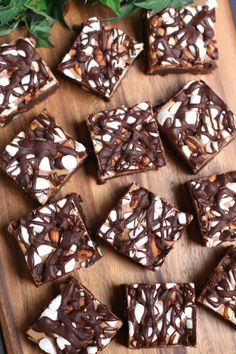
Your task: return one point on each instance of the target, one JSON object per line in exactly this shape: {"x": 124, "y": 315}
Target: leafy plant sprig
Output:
{"x": 38, "y": 16}
{"x": 124, "y": 8}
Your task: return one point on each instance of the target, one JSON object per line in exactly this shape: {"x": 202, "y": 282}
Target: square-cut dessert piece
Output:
{"x": 54, "y": 239}
{"x": 126, "y": 140}
{"x": 161, "y": 315}
{"x": 197, "y": 123}
{"x": 100, "y": 57}
{"x": 219, "y": 293}
{"x": 25, "y": 79}
{"x": 144, "y": 227}
{"x": 74, "y": 322}
{"x": 182, "y": 40}
{"x": 214, "y": 199}
{"x": 42, "y": 157}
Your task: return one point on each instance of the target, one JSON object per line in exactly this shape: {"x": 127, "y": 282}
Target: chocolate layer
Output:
{"x": 181, "y": 40}
{"x": 74, "y": 322}
{"x": 54, "y": 239}
{"x": 214, "y": 198}
{"x": 144, "y": 227}
{"x": 100, "y": 57}
{"x": 161, "y": 315}
{"x": 219, "y": 293}
{"x": 126, "y": 140}
{"x": 197, "y": 123}
{"x": 25, "y": 79}
{"x": 42, "y": 157}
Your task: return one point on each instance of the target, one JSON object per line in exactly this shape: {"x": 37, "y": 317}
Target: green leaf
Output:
{"x": 9, "y": 10}
{"x": 8, "y": 28}
{"x": 41, "y": 31}
{"x": 39, "y": 7}
{"x": 114, "y": 5}
{"x": 56, "y": 9}
{"x": 156, "y": 6}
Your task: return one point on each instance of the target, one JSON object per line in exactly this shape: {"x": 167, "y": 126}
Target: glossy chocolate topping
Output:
{"x": 54, "y": 239}
{"x": 197, "y": 123}
{"x": 74, "y": 322}
{"x": 41, "y": 158}
{"x": 100, "y": 57}
{"x": 219, "y": 293}
{"x": 161, "y": 315}
{"x": 126, "y": 140}
{"x": 22, "y": 75}
{"x": 215, "y": 201}
{"x": 144, "y": 227}
{"x": 182, "y": 38}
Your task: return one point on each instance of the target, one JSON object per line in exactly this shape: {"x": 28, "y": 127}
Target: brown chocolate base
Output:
{"x": 180, "y": 70}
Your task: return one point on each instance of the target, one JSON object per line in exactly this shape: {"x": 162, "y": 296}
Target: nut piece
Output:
{"x": 54, "y": 236}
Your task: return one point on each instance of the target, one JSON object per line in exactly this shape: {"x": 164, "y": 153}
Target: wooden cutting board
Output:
{"x": 21, "y": 301}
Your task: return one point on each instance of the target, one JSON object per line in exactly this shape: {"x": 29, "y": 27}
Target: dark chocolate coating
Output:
{"x": 161, "y": 315}
{"x": 219, "y": 294}
{"x": 214, "y": 198}
{"x": 54, "y": 239}
{"x": 144, "y": 227}
{"x": 181, "y": 40}
{"x": 126, "y": 140}
{"x": 100, "y": 57}
{"x": 42, "y": 158}
{"x": 82, "y": 322}
{"x": 197, "y": 123}
{"x": 24, "y": 77}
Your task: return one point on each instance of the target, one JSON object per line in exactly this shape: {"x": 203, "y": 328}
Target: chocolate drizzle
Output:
{"x": 161, "y": 315}
{"x": 23, "y": 77}
{"x": 82, "y": 325}
{"x": 54, "y": 239}
{"x": 144, "y": 227}
{"x": 100, "y": 57}
{"x": 219, "y": 293}
{"x": 126, "y": 140}
{"x": 41, "y": 158}
{"x": 197, "y": 123}
{"x": 215, "y": 201}
{"x": 181, "y": 40}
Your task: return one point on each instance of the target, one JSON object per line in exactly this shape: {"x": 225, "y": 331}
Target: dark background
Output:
{"x": 233, "y": 6}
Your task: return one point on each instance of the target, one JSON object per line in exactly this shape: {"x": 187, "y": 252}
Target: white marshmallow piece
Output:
{"x": 62, "y": 342}
{"x": 46, "y": 345}
{"x": 69, "y": 162}
{"x": 138, "y": 312}
{"x": 44, "y": 165}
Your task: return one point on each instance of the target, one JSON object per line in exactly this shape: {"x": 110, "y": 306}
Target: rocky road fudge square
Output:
{"x": 219, "y": 294}
{"x": 100, "y": 57}
{"x": 214, "y": 199}
{"x": 42, "y": 157}
{"x": 126, "y": 140}
{"x": 161, "y": 315}
{"x": 144, "y": 227}
{"x": 197, "y": 123}
{"x": 25, "y": 79}
{"x": 54, "y": 239}
{"x": 182, "y": 40}
{"x": 74, "y": 322}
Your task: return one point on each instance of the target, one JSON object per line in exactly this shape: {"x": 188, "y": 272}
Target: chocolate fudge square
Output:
{"x": 219, "y": 294}
{"x": 54, "y": 239}
{"x": 100, "y": 57}
{"x": 42, "y": 157}
{"x": 74, "y": 322}
{"x": 144, "y": 227}
{"x": 126, "y": 140}
{"x": 197, "y": 123}
{"x": 214, "y": 199}
{"x": 182, "y": 40}
{"x": 25, "y": 79}
{"x": 160, "y": 315}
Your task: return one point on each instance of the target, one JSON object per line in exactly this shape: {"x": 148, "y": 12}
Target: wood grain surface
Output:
{"x": 21, "y": 301}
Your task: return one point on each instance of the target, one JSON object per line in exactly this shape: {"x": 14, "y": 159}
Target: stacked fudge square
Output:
{"x": 142, "y": 226}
